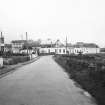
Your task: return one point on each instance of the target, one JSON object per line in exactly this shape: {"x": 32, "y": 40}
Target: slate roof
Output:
{"x": 87, "y": 45}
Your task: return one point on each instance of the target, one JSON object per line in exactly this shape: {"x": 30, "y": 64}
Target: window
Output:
{"x": 63, "y": 50}
{"x": 75, "y": 51}
{"x": 59, "y": 50}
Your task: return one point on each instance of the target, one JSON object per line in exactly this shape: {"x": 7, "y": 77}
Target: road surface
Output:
{"x": 42, "y": 82}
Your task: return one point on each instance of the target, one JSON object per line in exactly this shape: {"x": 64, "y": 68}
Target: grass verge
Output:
{"x": 90, "y": 79}
{"x": 11, "y": 68}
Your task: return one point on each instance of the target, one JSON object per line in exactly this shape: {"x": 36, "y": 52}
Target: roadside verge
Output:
{"x": 11, "y": 68}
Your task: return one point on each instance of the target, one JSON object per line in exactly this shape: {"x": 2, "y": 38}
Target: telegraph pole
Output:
{"x": 1, "y": 50}
{"x": 66, "y": 44}
{"x": 27, "y": 43}
{"x": 1, "y": 34}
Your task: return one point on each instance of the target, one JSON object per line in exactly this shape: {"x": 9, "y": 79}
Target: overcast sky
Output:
{"x": 80, "y": 20}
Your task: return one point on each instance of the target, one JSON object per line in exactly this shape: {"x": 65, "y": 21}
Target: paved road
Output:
{"x": 42, "y": 82}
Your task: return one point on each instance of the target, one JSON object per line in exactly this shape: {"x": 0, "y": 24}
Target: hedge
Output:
{"x": 15, "y": 60}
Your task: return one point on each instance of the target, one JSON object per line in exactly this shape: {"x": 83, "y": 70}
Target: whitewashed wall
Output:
{"x": 87, "y": 50}
{"x": 47, "y": 50}
{"x": 70, "y": 50}
{"x": 15, "y": 50}
{"x": 61, "y": 50}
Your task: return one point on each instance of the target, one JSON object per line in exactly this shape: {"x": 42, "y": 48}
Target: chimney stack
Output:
{"x": 1, "y": 34}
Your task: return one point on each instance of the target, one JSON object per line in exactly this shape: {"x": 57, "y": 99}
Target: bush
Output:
{"x": 8, "y": 61}
{"x": 15, "y": 60}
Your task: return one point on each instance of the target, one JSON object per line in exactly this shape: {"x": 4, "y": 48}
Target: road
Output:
{"x": 42, "y": 82}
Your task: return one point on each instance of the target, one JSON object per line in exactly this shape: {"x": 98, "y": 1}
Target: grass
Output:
{"x": 92, "y": 79}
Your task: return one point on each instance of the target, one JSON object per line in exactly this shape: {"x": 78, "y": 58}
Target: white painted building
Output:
{"x": 86, "y": 48}
{"x": 55, "y": 50}
{"x": 75, "y": 49}
{"x": 61, "y": 50}
{"x": 17, "y": 45}
{"x": 47, "y": 50}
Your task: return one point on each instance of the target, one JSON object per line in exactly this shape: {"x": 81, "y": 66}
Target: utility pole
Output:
{"x": 51, "y": 44}
{"x": 96, "y": 49}
{"x": 1, "y": 34}
{"x": 66, "y": 44}
{"x": 1, "y": 52}
{"x": 27, "y": 43}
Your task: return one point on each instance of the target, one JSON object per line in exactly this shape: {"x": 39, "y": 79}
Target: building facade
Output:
{"x": 1, "y": 44}
{"x": 17, "y": 45}
{"x": 7, "y": 48}
{"x": 85, "y": 48}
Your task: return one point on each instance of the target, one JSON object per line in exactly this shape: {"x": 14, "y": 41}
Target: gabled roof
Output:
{"x": 91, "y": 45}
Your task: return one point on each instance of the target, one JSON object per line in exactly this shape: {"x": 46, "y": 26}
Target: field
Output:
{"x": 88, "y": 71}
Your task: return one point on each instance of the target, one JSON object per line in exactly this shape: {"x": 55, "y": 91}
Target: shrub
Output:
{"x": 15, "y": 60}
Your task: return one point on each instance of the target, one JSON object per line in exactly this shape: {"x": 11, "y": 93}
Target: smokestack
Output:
{"x": 1, "y": 34}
